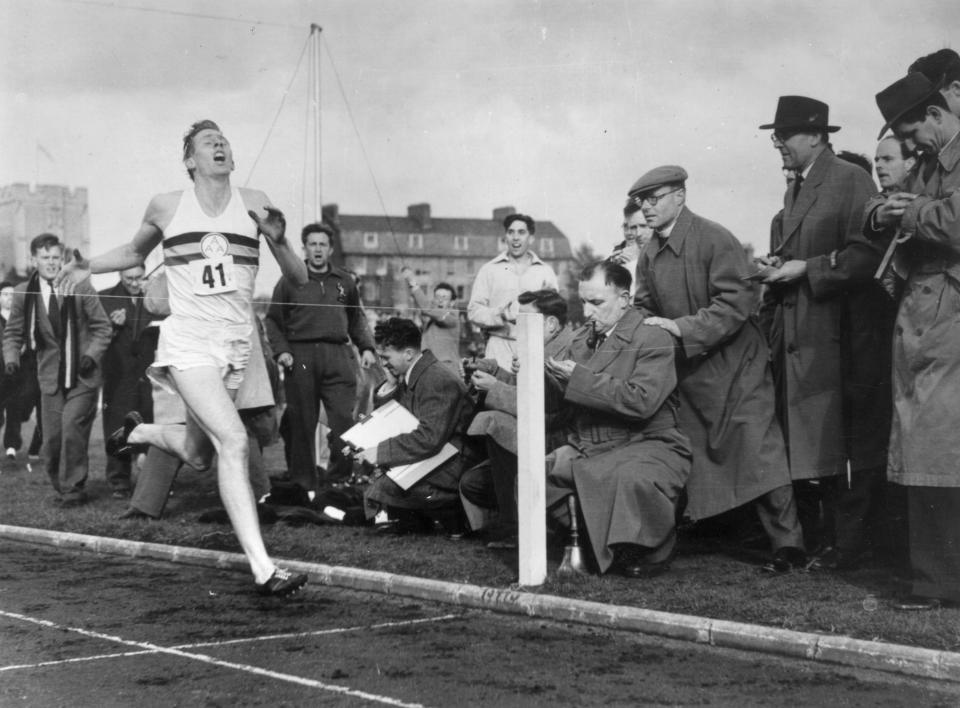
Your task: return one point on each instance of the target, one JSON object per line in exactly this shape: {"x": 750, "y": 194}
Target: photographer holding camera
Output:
{"x": 494, "y": 486}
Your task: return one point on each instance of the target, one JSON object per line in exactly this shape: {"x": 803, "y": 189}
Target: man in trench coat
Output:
{"x": 924, "y": 446}
{"x": 691, "y": 281}
{"x": 820, "y": 313}
{"x": 625, "y": 459}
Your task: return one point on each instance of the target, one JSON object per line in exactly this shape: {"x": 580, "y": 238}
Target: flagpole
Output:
{"x": 315, "y": 31}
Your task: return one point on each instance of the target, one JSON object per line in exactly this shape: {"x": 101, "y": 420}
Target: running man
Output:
{"x": 210, "y": 236}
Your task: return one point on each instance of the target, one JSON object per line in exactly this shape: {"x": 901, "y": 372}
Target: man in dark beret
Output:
{"x": 820, "y": 312}
{"x": 692, "y": 282}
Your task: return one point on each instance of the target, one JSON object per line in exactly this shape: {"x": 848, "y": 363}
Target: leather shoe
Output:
{"x": 786, "y": 559}
{"x": 916, "y": 603}
{"x": 133, "y": 513}
{"x": 117, "y": 445}
{"x": 836, "y": 560}
{"x": 71, "y": 501}
{"x": 632, "y": 561}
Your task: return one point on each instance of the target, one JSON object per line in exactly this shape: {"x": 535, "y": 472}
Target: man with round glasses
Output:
{"x": 692, "y": 282}
{"x": 820, "y": 314}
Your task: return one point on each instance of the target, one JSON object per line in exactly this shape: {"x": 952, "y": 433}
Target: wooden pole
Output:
{"x": 531, "y": 441}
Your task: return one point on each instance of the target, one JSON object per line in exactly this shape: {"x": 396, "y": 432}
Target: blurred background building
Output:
{"x": 27, "y": 211}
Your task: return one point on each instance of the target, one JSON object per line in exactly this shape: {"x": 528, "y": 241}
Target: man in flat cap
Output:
{"x": 691, "y": 281}
{"x": 924, "y": 446}
{"x": 819, "y": 312}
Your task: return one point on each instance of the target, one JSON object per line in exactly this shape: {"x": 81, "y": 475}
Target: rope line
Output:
{"x": 178, "y": 13}
{"x": 276, "y": 117}
{"x": 363, "y": 150}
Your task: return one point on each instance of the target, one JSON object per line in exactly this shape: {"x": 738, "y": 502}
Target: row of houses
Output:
{"x": 437, "y": 249}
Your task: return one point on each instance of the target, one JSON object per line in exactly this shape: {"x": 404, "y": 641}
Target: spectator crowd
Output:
{"x": 806, "y": 396}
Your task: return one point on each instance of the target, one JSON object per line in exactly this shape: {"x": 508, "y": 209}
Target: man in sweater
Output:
{"x": 310, "y": 330}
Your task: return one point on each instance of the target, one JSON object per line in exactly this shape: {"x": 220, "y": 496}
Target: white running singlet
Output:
{"x": 211, "y": 261}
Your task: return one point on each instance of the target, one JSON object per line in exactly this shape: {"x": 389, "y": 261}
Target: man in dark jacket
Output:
{"x": 125, "y": 387}
{"x": 310, "y": 331}
{"x": 69, "y": 332}
{"x": 439, "y": 401}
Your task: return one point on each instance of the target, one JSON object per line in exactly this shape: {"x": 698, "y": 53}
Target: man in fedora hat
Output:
{"x": 926, "y": 369}
{"x": 818, "y": 312}
{"x": 692, "y": 282}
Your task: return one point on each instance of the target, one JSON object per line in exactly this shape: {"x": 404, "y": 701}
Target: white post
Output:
{"x": 531, "y": 441}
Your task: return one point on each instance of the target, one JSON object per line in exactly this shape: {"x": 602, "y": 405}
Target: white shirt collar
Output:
{"x": 406, "y": 376}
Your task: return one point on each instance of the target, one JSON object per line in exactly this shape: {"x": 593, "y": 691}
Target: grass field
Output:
{"x": 708, "y": 578}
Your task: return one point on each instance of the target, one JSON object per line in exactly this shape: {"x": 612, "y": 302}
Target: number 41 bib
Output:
{"x": 213, "y": 274}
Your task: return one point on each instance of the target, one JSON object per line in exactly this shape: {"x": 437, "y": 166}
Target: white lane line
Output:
{"x": 333, "y": 688}
{"x": 75, "y": 660}
{"x": 318, "y": 632}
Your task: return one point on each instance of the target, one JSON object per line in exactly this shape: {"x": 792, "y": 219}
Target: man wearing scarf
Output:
{"x": 69, "y": 333}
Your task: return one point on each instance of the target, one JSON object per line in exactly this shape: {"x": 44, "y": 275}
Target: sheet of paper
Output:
{"x": 387, "y": 421}
{"x": 407, "y": 475}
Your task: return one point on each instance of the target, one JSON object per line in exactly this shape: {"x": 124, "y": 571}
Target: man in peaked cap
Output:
{"x": 926, "y": 369}
{"x": 692, "y": 282}
{"x": 819, "y": 312}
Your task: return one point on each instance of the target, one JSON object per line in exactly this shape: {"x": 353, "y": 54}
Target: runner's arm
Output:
{"x": 272, "y": 225}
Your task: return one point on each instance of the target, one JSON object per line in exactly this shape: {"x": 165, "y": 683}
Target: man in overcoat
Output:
{"x": 625, "y": 458}
{"x": 70, "y": 334}
{"x": 125, "y": 386}
{"x": 692, "y": 282}
{"x": 820, "y": 313}
{"x": 924, "y": 447}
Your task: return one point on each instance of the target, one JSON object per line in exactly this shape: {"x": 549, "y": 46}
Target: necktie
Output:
{"x": 601, "y": 338}
{"x": 797, "y": 183}
{"x": 53, "y": 309}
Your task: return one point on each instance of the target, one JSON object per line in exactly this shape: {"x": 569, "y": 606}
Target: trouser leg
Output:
{"x": 79, "y": 412}
{"x": 777, "y": 510}
{"x": 303, "y": 409}
{"x": 808, "y": 494}
{"x": 338, "y": 391}
{"x": 856, "y": 508}
{"x": 51, "y": 409}
{"x": 934, "y": 520}
{"x": 119, "y": 398}
{"x": 503, "y": 474}
{"x": 154, "y": 481}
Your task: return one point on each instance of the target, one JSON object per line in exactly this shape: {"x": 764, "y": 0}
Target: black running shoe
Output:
{"x": 282, "y": 583}
{"x": 117, "y": 445}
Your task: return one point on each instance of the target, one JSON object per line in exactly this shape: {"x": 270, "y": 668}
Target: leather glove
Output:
{"x": 11, "y": 368}
{"x": 87, "y": 366}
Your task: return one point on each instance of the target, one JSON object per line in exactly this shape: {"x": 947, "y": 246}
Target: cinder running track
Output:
{"x": 77, "y": 629}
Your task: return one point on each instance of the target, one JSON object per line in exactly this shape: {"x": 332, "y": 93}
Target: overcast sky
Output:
{"x": 552, "y": 107}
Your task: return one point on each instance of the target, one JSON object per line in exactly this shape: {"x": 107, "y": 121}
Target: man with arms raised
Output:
{"x": 211, "y": 252}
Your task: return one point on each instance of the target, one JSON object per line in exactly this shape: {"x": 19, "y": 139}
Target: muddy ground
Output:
{"x": 78, "y": 629}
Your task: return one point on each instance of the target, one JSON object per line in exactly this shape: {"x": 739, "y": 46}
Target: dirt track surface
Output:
{"x": 84, "y": 630}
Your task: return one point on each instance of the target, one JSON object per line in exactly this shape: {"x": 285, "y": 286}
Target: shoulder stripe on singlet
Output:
{"x": 183, "y": 260}
{"x": 197, "y": 236}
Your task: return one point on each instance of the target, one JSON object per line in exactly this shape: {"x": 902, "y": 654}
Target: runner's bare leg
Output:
{"x": 212, "y": 415}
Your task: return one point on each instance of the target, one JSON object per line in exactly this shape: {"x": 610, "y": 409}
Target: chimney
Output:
{"x": 420, "y": 215}
{"x": 501, "y": 213}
